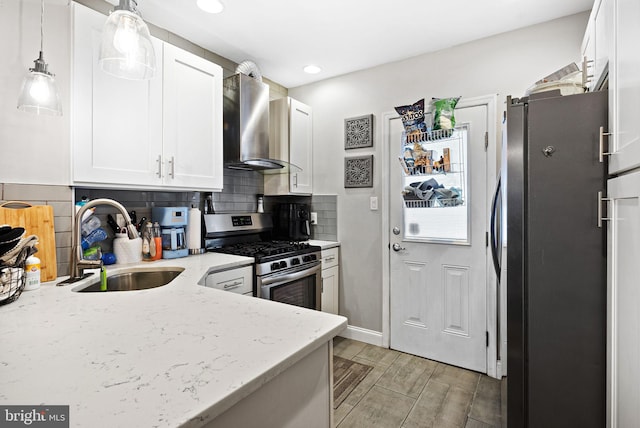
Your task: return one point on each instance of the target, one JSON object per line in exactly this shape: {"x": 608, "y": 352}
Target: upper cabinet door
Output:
{"x": 116, "y": 123}
{"x": 597, "y": 45}
{"x": 625, "y": 141}
{"x": 301, "y": 147}
{"x": 603, "y": 32}
{"x": 192, "y": 124}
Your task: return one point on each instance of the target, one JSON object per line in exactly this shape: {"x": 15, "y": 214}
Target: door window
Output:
{"x": 435, "y": 193}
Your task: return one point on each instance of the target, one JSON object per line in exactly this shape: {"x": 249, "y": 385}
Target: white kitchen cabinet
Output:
{"x": 192, "y": 120}
{"x": 291, "y": 140}
{"x": 624, "y": 88}
{"x": 164, "y": 133}
{"x": 239, "y": 280}
{"x": 597, "y": 45}
{"x": 330, "y": 280}
{"x": 588, "y": 51}
{"x": 116, "y": 123}
{"x": 623, "y": 301}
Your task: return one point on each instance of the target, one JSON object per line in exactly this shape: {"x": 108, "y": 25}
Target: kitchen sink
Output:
{"x": 134, "y": 279}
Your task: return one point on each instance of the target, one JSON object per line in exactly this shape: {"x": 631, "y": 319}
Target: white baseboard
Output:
{"x": 363, "y": 335}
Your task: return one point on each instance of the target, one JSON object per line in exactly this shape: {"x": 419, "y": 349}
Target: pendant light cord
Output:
{"x": 41, "y": 26}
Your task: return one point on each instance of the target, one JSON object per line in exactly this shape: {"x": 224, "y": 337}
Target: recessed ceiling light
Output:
{"x": 210, "y": 6}
{"x": 312, "y": 69}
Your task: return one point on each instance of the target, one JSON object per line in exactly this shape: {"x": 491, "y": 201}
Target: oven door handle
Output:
{"x": 290, "y": 276}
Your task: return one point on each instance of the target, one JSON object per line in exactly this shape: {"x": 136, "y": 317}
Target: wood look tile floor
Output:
{"x": 405, "y": 391}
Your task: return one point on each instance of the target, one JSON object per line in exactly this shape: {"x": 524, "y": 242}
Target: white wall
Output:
{"x": 505, "y": 64}
{"x": 33, "y": 149}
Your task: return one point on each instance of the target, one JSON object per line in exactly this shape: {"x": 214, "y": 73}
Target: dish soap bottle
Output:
{"x": 157, "y": 238}
{"x": 148, "y": 243}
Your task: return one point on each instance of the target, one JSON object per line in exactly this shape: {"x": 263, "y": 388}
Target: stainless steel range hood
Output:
{"x": 246, "y": 125}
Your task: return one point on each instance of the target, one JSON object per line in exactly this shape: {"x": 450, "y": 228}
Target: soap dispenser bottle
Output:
{"x": 157, "y": 238}
{"x": 148, "y": 243}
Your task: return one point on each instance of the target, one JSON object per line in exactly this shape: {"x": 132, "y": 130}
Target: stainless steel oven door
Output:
{"x": 301, "y": 286}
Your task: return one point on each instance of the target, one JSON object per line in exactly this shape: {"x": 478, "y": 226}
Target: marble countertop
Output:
{"x": 324, "y": 244}
{"x": 177, "y": 355}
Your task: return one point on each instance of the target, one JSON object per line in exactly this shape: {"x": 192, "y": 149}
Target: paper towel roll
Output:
{"x": 127, "y": 250}
{"x": 194, "y": 225}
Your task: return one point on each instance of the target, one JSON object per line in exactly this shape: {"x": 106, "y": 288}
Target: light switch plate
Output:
{"x": 373, "y": 203}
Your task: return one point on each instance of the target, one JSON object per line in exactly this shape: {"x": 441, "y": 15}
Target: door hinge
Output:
{"x": 486, "y": 239}
{"x": 486, "y": 140}
{"x": 487, "y": 339}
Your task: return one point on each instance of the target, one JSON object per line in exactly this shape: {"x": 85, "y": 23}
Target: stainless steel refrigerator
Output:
{"x": 556, "y": 261}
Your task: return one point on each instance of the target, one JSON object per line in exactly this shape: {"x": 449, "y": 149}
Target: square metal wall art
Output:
{"x": 358, "y": 132}
{"x": 358, "y": 171}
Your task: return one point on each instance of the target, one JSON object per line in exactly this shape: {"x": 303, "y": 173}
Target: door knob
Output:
{"x": 397, "y": 247}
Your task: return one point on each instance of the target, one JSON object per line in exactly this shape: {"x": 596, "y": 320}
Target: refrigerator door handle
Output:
{"x": 494, "y": 240}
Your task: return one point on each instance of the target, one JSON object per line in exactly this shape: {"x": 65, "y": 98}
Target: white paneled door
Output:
{"x": 437, "y": 233}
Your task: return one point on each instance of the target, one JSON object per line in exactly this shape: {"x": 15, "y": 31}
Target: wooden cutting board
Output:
{"x": 37, "y": 220}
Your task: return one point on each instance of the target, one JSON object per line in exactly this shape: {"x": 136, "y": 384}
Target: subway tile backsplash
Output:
{"x": 326, "y": 206}
{"x": 239, "y": 195}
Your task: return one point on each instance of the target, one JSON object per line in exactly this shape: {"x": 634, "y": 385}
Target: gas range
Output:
{"x": 272, "y": 256}
{"x": 285, "y": 272}
{"x": 249, "y": 235}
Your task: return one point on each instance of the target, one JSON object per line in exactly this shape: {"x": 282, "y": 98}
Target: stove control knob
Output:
{"x": 295, "y": 261}
{"x": 306, "y": 258}
{"x": 313, "y": 257}
{"x": 283, "y": 264}
{"x": 275, "y": 266}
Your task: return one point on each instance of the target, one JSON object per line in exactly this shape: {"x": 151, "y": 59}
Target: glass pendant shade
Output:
{"x": 39, "y": 92}
{"x": 126, "y": 50}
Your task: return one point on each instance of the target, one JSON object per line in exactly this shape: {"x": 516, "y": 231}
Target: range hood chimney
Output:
{"x": 246, "y": 125}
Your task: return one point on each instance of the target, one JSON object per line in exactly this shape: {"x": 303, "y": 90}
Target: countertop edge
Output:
{"x": 324, "y": 245}
{"x": 217, "y": 409}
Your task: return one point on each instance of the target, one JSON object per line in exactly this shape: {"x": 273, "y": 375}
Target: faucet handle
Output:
{"x": 90, "y": 264}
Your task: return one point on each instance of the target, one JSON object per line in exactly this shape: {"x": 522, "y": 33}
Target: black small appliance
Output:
{"x": 291, "y": 222}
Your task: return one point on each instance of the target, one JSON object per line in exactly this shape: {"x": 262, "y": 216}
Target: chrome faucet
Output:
{"x": 78, "y": 264}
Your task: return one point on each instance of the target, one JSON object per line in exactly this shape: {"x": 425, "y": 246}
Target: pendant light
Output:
{"x": 39, "y": 93}
{"x": 126, "y": 50}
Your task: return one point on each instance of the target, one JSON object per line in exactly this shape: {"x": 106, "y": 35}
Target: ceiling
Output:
{"x": 342, "y": 36}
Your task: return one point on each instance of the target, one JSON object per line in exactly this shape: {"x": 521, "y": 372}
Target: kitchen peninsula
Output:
{"x": 180, "y": 355}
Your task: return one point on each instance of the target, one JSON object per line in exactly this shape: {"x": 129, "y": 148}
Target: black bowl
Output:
{"x": 12, "y": 235}
{"x": 8, "y": 246}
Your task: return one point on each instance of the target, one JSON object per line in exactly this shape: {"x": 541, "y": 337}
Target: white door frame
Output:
{"x": 491, "y": 103}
